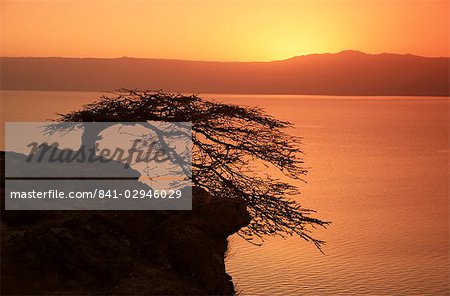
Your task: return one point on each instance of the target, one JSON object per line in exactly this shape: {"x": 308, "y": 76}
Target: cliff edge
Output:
{"x": 119, "y": 252}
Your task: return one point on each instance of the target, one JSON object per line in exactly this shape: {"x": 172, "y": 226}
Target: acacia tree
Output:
{"x": 236, "y": 149}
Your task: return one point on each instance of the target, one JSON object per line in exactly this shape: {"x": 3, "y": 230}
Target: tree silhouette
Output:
{"x": 236, "y": 152}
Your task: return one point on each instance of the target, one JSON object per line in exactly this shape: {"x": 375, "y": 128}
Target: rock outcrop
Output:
{"x": 120, "y": 252}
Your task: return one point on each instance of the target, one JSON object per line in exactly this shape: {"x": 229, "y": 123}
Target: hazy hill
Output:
{"x": 344, "y": 73}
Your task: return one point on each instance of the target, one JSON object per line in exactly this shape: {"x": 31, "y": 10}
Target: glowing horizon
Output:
{"x": 222, "y": 31}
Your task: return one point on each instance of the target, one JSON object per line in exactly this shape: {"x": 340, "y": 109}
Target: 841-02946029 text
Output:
{"x": 98, "y": 193}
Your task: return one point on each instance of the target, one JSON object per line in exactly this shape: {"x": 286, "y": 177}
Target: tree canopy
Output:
{"x": 236, "y": 149}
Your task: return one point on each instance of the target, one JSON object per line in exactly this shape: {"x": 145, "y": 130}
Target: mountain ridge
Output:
{"x": 346, "y": 51}
{"x": 344, "y": 73}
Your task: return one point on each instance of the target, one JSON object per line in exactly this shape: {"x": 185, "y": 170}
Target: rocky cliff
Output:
{"x": 120, "y": 252}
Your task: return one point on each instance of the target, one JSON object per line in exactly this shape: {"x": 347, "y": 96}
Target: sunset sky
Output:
{"x": 222, "y": 30}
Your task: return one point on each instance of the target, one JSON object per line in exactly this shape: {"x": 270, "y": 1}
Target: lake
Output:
{"x": 379, "y": 170}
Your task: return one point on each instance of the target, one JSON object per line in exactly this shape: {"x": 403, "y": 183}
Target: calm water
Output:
{"x": 379, "y": 172}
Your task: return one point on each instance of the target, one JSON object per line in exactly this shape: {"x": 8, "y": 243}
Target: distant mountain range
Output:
{"x": 344, "y": 73}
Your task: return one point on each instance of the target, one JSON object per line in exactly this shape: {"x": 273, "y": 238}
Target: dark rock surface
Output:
{"x": 119, "y": 252}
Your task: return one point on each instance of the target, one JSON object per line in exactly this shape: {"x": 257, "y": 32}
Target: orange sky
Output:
{"x": 216, "y": 30}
